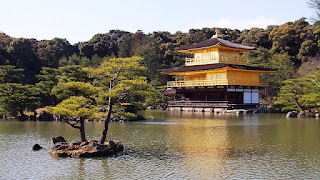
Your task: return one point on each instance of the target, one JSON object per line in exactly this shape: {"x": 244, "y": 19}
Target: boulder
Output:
{"x": 60, "y": 146}
{"x": 120, "y": 148}
{"x": 112, "y": 145}
{"x": 58, "y": 139}
{"x": 301, "y": 115}
{"x": 75, "y": 143}
{"x": 36, "y": 147}
{"x": 309, "y": 114}
{"x": 45, "y": 116}
{"x": 305, "y": 114}
{"x": 140, "y": 117}
{"x": 292, "y": 114}
{"x": 56, "y": 117}
{"x": 22, "y": 117}
{"x": 84, "y": 143}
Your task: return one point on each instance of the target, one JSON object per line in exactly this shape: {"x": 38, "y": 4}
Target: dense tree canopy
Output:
{"x": 17, "y": 98}
{"x": 297, "y": 39}
{"x": 300, "y": 94}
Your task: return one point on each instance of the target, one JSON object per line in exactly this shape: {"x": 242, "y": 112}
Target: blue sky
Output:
{"x": 79, "y": 20}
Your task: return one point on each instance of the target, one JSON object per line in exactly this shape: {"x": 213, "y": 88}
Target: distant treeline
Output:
{"x": 291, "y": 48}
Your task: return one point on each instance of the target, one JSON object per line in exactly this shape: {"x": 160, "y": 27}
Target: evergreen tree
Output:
{"x": 17, "y": 98}
{"x": 121, "y": 81}
{"x": 74, "y": 111}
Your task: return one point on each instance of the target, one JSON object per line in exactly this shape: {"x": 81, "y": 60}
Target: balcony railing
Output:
{"x": 233, "y": 60}
{"x": 198, "y": 103}
{"x": 220, "y": 59}
{"x": 197, "y": 83}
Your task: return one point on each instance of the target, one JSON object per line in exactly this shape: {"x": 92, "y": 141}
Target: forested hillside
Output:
{"x": 291, "y": 48}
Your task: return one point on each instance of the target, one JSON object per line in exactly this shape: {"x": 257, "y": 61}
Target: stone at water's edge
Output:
{"x": 36, "y": 147}
{"x": 45, "y": 116}
{"x": 91, "y": 148}
{"x": 304, "y": 114}
{"x": 292, "y": 114}
{"x": 58, "y": 139}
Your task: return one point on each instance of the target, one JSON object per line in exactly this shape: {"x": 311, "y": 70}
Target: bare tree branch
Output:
{"x": 74, "y": 125}
{"x": 117, "y": 75}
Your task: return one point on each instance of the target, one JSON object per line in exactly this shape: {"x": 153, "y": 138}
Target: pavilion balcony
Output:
{"x": 197, "y": 103}
{"x": 210, "y": 104}
{"x": 220, "y": 59}
{"x": 199, "y": 83}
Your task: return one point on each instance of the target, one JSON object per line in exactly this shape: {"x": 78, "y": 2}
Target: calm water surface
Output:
{"x": 174, "y": 146}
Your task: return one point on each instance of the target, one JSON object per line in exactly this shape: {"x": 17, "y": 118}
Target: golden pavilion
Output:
{"x": 216, "y": 77}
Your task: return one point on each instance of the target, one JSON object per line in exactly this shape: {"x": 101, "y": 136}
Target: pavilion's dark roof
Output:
{"x": 215, "y": 41}
{"x": 211, "y": 67}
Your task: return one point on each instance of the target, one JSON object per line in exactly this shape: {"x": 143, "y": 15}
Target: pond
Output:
{"x": 176, "y": 145}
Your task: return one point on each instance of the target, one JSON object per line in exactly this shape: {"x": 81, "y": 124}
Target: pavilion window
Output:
{"x": 213, "y": 57}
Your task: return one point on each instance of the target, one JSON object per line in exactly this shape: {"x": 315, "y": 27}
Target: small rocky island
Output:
{"x": 91, "y": 148}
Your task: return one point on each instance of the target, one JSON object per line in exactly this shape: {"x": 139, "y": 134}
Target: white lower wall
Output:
{"x": 255, "y": 96}
{"x": 251, "y": 96}
{"x": 247, "y": 96}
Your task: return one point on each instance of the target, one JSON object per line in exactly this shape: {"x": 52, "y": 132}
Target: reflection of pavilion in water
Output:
{"x": 209, "y": 140}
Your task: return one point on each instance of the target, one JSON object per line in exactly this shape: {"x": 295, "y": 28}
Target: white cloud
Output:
{"x": 260, "y": 22}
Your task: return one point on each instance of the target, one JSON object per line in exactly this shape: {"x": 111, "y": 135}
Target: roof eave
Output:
{"x": 213, "y": 46}
{"x": 207, "y": 47}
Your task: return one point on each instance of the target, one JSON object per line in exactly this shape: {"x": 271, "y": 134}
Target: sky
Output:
{"x": 79, "y": 20}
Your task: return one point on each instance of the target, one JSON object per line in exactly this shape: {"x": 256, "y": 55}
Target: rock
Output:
{"x": 75, "y": 143}
{"x": 58, "y": 139}
{"x": 309, "y": 114}
{"x": 62, "y": 154}
{"x": 45, "y": 116}
{"x": 120, "y": 148}
{"x": 152, "y": 118}
{"x": 22, "y": 118}
{"x": 97, "y": 147}
{"x": 84, "y": 143}
{"x": 140, "y": 117}
{"x": 112, "y": 145}
{"x": 292, "y": 114}
{"x": 92, "y": 148}
{"x": 56, "y": 117}
{"x": 93, "y": 141}
{"x": 305, "y": 114}
{"x": 36, "y": 147}
{"x": 61, "y": 146}
{"x": 301, "y": 115}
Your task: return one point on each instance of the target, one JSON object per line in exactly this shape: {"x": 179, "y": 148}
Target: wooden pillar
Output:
{"x": 206, "y": 94}
{"x": 226, "y": 96}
